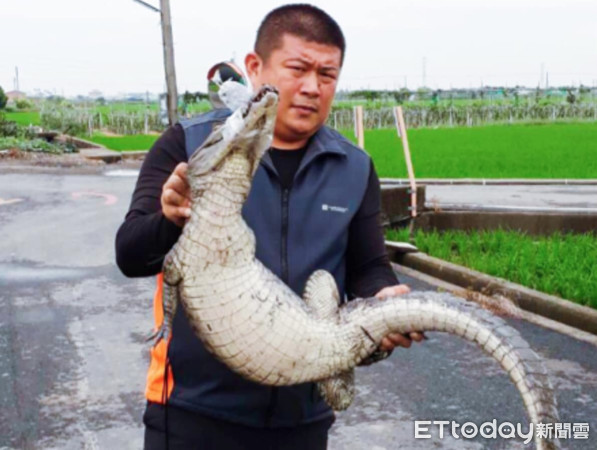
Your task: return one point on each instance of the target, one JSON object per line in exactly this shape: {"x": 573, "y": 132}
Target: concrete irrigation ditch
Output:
{"x": 396, "y": 212}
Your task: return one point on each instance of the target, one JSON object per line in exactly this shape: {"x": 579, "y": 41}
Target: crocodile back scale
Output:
{"x": 256, "y": 325}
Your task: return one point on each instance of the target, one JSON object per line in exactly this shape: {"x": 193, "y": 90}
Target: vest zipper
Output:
{"x": 284, "y": 256}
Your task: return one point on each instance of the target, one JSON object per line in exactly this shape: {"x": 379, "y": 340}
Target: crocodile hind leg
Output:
{"x": 170, "y": 297}
{"x": 321, "y": 295}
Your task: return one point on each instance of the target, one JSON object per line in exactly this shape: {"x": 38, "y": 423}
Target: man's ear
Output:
{"x": 253, "y": 66}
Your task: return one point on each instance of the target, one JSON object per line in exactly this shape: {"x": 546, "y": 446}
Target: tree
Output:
{"x": 401, "y": 96}
{"x": 194, "y": 97}
{"x": 188, "y": 98}
{"x": 23, "y": 104}
{"x": 3, "y": 98}
{"x": 435, "y": 97}
{"x": 538, "y": 94}
{"x": 571, "y": 98}
{"x": 423, "y": 93}
{"x": 516, "y": 97}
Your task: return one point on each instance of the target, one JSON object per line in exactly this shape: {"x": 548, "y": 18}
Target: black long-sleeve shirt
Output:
{"x": 146, "y": 235}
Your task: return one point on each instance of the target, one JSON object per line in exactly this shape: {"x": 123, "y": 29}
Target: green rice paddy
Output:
{"x": 24, "y": 118}
{"x": 124, "y": 143}
{"x": 560, "y": 264}
{"x": 562, "y": 150}
{"x": 555, "y": 150}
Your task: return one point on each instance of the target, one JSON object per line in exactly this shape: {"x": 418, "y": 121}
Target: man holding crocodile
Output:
{"x": 315, "y": 206}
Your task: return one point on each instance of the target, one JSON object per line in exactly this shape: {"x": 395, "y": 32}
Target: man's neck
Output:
{"x": 285, "y": 145}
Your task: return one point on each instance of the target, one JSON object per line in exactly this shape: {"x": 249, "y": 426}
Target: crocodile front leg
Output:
{"x": 170, "y": 296}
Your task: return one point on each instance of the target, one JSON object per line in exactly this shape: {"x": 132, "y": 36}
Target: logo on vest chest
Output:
{"x": 332, "y": 208}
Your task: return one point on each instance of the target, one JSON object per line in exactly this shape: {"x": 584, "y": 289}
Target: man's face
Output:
{"x": 306, "y": 75}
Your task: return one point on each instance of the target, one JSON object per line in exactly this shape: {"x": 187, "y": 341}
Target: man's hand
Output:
{"x": 393, "y": 340}
{"x": 175, "y": 197}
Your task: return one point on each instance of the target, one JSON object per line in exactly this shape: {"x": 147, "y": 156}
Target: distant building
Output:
{"x": 95, "y": 94}
{"x": 524, "y": 92}
{"x": 15, "y": 95}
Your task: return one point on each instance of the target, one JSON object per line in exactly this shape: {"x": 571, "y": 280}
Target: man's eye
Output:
{"x": 298, "y": 69}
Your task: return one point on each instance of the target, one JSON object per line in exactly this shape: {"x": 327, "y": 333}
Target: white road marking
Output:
{"x": 10, "y": 201}
{"x": 110, "y": 199}
{"x": 122, "y": 173}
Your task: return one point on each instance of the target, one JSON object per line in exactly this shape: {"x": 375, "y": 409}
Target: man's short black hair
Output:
{"x": 302, "y": 20}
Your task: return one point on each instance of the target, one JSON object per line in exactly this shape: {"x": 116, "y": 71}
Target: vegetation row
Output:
{"x": 561, "y": 264}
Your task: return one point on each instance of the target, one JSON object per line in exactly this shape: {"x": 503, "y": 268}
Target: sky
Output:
{"x": 71, "y": 47}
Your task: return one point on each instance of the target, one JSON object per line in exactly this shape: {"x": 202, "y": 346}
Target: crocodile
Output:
{"x": 256, "y": 325}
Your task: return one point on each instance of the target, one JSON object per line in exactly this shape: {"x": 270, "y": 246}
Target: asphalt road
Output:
{"x": 73, "y": 357}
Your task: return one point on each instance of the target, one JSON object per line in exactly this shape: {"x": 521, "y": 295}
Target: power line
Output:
{"x": 147, "y": 5}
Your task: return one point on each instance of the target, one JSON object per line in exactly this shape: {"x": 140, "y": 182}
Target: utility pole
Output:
{"x": 169, "y": 62}
{"x": 172, "y": 96}
{"x": 541, "y": 77}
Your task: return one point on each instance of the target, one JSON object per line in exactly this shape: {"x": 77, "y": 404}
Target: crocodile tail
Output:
{"x": 430, "y": 311}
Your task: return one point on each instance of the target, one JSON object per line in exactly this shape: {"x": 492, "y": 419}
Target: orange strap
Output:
{"x": 154, "y": 390}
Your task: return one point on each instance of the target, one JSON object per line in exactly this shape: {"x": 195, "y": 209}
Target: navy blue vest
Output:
{"x": 297, "y": 232}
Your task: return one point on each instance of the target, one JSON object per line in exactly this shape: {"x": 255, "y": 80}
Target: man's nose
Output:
{"x": 310, "y": 85}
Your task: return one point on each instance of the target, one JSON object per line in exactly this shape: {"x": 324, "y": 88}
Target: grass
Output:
{"x": 34, "y": 145}
{"x": 24, "y": 117}
{"x": 559, "y": 264}
{"x": 124, "y": 143}
{"x": 554, "y": 150}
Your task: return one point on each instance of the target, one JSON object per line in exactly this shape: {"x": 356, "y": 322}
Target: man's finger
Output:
{"x": 394, "y": 340}
{"x": 386, "y": 345}
{"x": 401, "y": 289}
{"x": 178, "y": 184}
{"x": 181, "y": 170}
{"x": 401, "y": 340}
{"x": 178, "y": 180}
{"x": 174, "y": 198}
{"x": 185, "y": 212}
{"x": 391, "y": 291}
{"x": 417, "y": 336}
